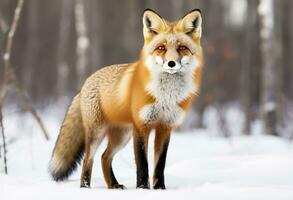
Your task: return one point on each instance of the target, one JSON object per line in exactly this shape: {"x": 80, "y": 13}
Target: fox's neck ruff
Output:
{"x": 170, "y": 88}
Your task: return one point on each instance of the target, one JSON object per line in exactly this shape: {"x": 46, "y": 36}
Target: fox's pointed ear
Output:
{"x": 153, "y": 24}
{"x": 191, "y": 24}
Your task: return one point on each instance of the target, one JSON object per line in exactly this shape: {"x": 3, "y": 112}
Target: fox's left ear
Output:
{"x": 191, "y": 24}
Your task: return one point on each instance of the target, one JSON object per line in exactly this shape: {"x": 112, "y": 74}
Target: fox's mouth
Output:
{"x": 171, "y": 71}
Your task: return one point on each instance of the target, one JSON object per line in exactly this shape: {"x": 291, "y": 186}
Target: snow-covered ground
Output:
{"x": 200, "y": 165}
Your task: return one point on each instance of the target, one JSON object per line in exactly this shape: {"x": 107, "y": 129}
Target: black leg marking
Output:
{"x": 86, "y": 179}
{"x": 114, "y": 182}
{"x": 112, "y": 176}
{"x": 108, "y": 173}
{"x": 142, "y": 170}
{"x": 159, "y": 179}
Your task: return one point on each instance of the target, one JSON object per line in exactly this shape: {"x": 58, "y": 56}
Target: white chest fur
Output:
{"x": 172, "y": 115}
{"x": 168, "y": 90}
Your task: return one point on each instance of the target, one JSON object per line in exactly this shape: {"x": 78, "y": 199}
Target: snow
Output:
{"x": 200, "y": 165}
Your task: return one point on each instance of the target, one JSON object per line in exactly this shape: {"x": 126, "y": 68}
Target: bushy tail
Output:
{"x": 69, "y": 148}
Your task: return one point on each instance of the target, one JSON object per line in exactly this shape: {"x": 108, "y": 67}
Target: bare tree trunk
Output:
{"x": 278, "y": 47}
{"x": 247, "y": 77}
{"x": 93, "y": 19}
{"x": 82, "y": 41}
{"x": 222, "y": 120}
{"x": 270, "y": 57}
{"x": 32, "y": 47}
{"x": 63, "y": 46}
{"x": 200, "y": 111}
{"x": 288, "y": 45}
{"x": 3, "y": 143}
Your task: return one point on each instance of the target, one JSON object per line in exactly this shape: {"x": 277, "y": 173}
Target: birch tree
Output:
{"x": 270, "y": 50}
{"x": 82, "y": 40}
{"x": 63, "y": 45}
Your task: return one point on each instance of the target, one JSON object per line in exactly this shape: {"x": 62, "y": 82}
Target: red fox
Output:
{"x": 121, "y": 100}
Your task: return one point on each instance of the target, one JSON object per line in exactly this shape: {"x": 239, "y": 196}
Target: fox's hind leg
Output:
{"x": 94, "y": 137}
{"x": 93, "y": 122}
{"x": 118, "y": 138}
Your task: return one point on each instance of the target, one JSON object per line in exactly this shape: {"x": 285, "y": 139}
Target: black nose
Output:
{"x": 171, "y": 63}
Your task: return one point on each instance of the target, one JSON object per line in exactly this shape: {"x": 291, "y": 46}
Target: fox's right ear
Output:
{"x": 153, "y": 24}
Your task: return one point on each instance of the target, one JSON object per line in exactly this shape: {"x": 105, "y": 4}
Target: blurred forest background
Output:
{"x": 248, "y": 46}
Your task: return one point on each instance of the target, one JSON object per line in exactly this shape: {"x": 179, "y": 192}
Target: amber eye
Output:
{"x": 161, "y": 48}
{"x": 182, "y": 48}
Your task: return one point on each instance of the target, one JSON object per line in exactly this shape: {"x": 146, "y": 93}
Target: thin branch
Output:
{"x": 6, "y": 78}
{"x": 28, "y": 105}
{"x": 9, "y": 73}
{"x": 8, "y": 48}
{"x": 4, "y": 144}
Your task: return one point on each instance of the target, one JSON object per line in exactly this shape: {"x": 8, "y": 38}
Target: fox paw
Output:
{"x": 85, "y": 185}
{"x": 143, "y": 186}
{"x": 118, "y": 186}
{"x": 159, "y": 187}
{"x": 159, "y": 184}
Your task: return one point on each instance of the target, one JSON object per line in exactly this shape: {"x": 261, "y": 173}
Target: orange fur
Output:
{"x": 119, "y": 97}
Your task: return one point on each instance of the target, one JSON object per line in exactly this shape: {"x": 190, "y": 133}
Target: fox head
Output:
{"x": 172, "y": 47}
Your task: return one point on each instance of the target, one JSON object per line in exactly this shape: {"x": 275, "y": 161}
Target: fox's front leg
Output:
{"x": 140, "y": 139}
{"x": 161, "y": 147}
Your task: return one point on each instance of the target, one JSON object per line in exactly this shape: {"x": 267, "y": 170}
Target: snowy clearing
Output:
{"x": 200, "y": 165}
